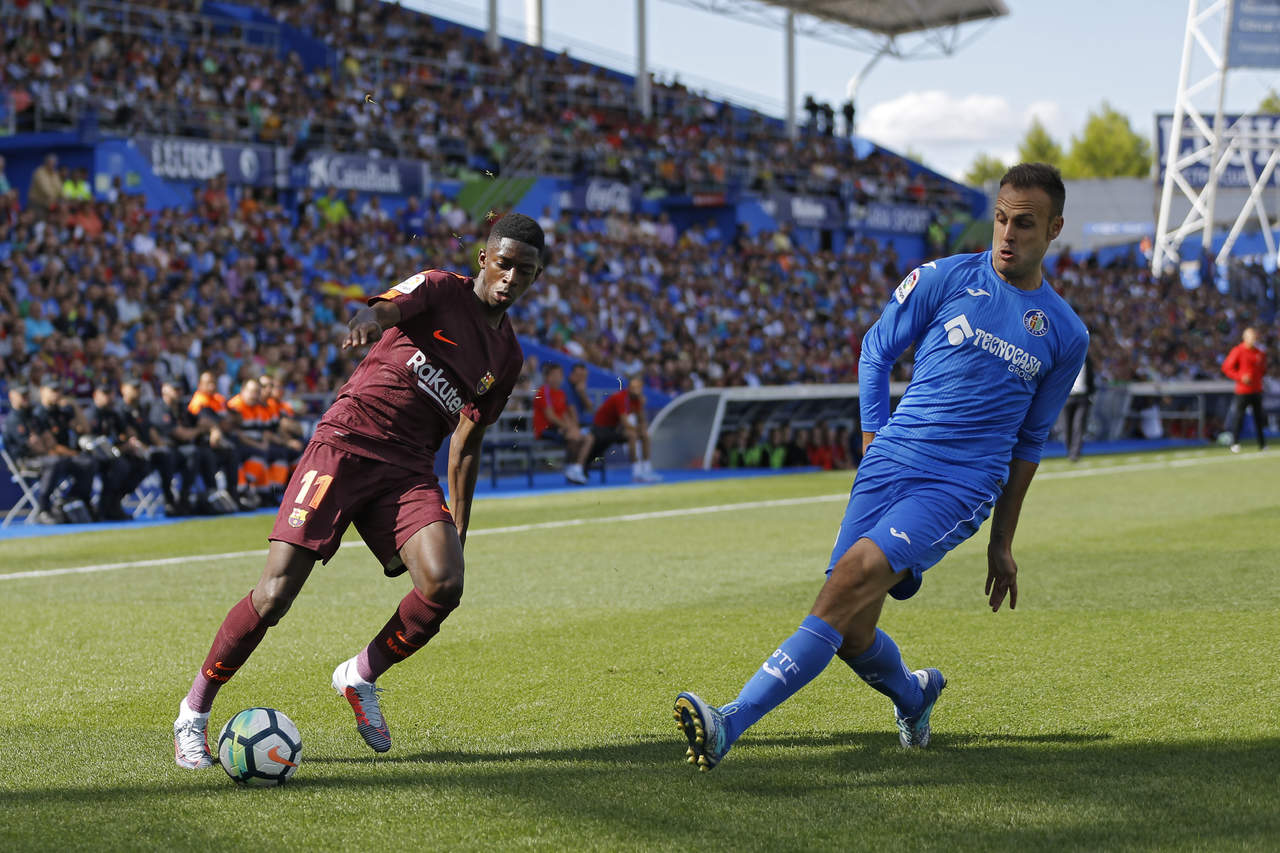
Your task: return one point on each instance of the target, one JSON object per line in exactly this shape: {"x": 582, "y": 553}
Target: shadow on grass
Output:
{"x": 805, "y": 790}
{"x": 645, "y": 751}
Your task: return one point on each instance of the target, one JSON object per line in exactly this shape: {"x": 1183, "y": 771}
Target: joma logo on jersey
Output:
{"x": 958, "y": 330}
{"x": 1020, "y": 362}
{"x": 433, "y": 380}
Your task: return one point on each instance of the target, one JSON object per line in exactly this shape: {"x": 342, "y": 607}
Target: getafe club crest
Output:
{"x": 1035, "y": 322}
{"x": 298, "y": 517}
{"x": 485, "y": 383}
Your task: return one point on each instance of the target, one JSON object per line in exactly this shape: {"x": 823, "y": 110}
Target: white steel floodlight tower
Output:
{"x": 1200, "y": 150}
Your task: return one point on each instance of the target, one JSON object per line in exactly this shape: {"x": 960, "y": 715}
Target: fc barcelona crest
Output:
{"x": 485, "y": 383}
{"x": 298, "y": 517}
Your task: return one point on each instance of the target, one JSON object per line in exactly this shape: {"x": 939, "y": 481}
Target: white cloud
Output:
{"x": 950, "y": 130}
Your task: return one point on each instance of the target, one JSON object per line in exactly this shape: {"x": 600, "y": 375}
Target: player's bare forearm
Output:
{"x": 370, "y": 322}
{"x": 867, "y": 438}
{"x": 1004, "y": 518}
{"x": 1002, "y": 569}
{"x": 464, "y": 466}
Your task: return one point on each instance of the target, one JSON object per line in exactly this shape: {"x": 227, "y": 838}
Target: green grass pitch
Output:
{"x": 1129, "y": 703}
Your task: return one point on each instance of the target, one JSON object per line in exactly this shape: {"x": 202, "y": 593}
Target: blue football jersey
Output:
{"x": 993, "y": 367}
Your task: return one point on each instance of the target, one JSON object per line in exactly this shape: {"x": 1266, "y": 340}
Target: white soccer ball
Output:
{"x": 260, "y": 747}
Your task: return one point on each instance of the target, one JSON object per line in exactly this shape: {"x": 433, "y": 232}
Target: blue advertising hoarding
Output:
{"x": 896, "y": 218}
{"x": 599, "y": 195}
{"x": 805, "y": 211}
{"x": 1254, "y": 40}
{"x": 1260, "y": 132}
{"x": 325, "y": 170}
{"x": 178, "y": 159}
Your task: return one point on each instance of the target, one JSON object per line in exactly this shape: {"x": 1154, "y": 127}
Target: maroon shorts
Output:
{"x": 332, "y": 488}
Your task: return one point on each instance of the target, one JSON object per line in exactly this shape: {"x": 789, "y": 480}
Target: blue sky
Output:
{"x": 1052, "y": 60}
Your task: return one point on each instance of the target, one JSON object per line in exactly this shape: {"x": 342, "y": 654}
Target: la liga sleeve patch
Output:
{"x": 908, "y": 285}
{"x": 410, "y": 284}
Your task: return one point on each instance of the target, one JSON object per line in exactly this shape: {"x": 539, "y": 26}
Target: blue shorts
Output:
{"x": 915, "y": 518}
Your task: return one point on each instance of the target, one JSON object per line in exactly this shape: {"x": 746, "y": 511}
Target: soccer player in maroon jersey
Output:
{"x": 444, "y": 360}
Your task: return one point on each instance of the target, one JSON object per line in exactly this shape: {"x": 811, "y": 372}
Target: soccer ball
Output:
{"x": 260, "y": 747}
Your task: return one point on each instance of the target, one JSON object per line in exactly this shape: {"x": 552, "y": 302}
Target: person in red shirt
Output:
{"x": 621, "y": 418}
{"x": 555, "y": 421}
{"x": 819, "y": 451}
{"x": 443, "y": 361}
{"x": 1246, "y": 364}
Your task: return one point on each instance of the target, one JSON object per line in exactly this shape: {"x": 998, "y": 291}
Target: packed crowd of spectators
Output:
{"x": 1145, "y": 327}
{"x": 102, "y": 294}
{"x": 250, "y": 280}
{"x": 400, "y": 84}
{"x": 705, "y": 308}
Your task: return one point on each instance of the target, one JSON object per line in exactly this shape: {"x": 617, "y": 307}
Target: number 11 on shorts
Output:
{"x": 320, "y": 481}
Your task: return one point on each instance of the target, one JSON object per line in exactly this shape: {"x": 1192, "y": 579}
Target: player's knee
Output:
{"x": 272, "y": 599}
{"x": 443, "y": 588}
{"x": 859, "y": 570}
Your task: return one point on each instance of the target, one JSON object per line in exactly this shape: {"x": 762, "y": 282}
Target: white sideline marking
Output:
{"x": 635, "y": 516}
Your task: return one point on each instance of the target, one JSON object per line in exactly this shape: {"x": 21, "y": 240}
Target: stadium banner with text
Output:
{"x": 895, "y": 218}
{"x": 1254, "y": 40}
{"x": 325, "y": 170}
{"x": 805, "y": 211}
{"x": 1258, "y": 135}
{"x": 599, "y": 195}
{"x": 179, "y": 159}
{"x": 823, "y": 212}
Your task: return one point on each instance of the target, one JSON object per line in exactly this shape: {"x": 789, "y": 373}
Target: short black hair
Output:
{"x": 548, "y": 366}
{"x": 1042, "y": 175}
{"x": 517, "y": 226}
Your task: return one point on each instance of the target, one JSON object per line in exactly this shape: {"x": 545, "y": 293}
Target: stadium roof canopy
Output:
{"x": 931, "y": 27}
{"x": 903, "y": 29}
{"x": 883, "y": 17}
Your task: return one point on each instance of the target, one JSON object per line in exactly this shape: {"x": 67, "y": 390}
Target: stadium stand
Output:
{"x": 248, "y": 279}
{"x": 439, "y": 96}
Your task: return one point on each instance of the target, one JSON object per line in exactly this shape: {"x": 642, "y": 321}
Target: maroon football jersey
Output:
{"x": 441, "y": 361}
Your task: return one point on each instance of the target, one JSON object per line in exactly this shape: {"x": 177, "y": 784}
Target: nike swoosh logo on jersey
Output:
{"x": 978, "y": 292}
{"x": 893, "y": 531}
{"x": 439, "y": 336}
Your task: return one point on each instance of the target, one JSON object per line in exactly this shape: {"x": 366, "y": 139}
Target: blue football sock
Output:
{"x": 796, "y": 662}
{"x": 881, "y": 666}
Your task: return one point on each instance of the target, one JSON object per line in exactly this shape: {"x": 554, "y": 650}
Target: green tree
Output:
{"x": 1271, "y": 103}
{"x": 985, "y": 168}
{"x": 1107, "y": 148}
{"x": 1038, "y": 146}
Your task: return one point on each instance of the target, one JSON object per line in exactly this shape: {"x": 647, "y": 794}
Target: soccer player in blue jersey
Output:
{"x": 997, "y": 350}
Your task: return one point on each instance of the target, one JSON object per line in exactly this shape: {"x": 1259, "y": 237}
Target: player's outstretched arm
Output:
{"x": 370, "y": 322}
{"x": 464, "y": 466}
{"x": 1002, "y": 571}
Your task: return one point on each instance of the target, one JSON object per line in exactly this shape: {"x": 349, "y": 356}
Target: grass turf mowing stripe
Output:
{"x": 637, "y": 516}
